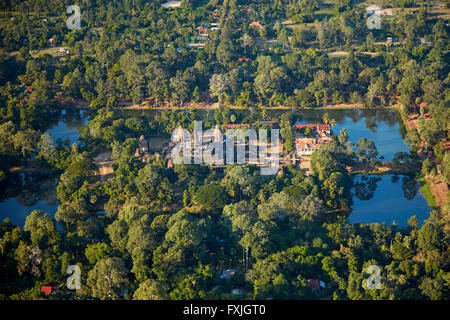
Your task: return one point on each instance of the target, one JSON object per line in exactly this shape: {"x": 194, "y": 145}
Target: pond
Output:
{"x": 66, "y": 124}
{"x": 24, "y": 192}
{"x": 387, "y": 198}
{"x": 382, "y": 126}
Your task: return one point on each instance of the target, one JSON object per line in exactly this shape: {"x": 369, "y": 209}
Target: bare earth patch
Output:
{"x": 438, "y": 188}
{"x": 104, "y": 164}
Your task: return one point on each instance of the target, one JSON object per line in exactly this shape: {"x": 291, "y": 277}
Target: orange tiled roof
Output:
{"x": 255, "y": 24}
{"x": 308, "y": 143}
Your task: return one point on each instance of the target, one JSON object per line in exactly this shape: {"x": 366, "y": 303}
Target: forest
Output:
{"x": 156, "y": 231}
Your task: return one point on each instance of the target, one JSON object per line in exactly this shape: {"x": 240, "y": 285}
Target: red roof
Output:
{"x": 423, "y": 105}
{"x": 30, "y": 89}
{"x": 309, "y": 143}
{"x": 47, "y": 289}
{"x": 203, "y": 31}
{"x": 314, "y": 283}
{"x": 236, "y": 125}
{"x": 255, "y": 24}
{"x": 322, "y": 127}
{"x": 447, "y": 146}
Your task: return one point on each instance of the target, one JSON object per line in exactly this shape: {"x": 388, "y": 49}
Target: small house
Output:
{"x": 315, "y": 284}
{"x": 233, "y": 126}
{"x": 244, "y": 59}
{"x": 197, "y": 45}
{"x": 48, "y": 289}
{"x": 255, "y": 24}
{"x": 203, "y": 32}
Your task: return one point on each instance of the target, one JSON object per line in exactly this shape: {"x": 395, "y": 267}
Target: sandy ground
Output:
{"x": 412, "y": 120}
{"x": 438, "y": 188}
{"x": 305, "y": 164}
{"x": 104, "y": 164}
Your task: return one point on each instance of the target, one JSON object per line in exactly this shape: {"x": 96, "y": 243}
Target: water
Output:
{"x": 387, "y": 198}
{"x": 67, "y": 124}
{"x": 25, "y": 192}
{"x": 381, "y": 126}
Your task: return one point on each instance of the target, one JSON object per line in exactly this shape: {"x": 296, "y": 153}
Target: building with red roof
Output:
{"x": 315, "y": 284}
{"x": 306, "y": 145}
{"x": 244, "y": 59}
{"x": 317, "y": 127}
{"x": 255, "y": 24}
{"x": 238, "y": 125}
{"x": 47, "y": 289}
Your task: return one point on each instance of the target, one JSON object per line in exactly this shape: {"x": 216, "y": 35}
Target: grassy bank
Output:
{"x": 426, "y": 192}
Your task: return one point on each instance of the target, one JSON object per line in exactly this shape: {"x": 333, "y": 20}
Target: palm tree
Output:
{"x": 332, "y": 122}
{"x": 326, "y": 118}
{"x": 264, "y": 114}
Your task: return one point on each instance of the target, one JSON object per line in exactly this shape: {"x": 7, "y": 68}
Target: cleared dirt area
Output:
{"x": 438, "y": 188}
{"x": 104, "y": 164}
{"x": 305, "y": 164}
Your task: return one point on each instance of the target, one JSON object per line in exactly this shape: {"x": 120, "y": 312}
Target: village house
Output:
{"x": 315, "y": 284}
{"x": 197, "y": 45}
{"x": 49, "y": 289}
{"x": 255, "y": 24}
{"x": 244, "y": 59}
{"x": 215, "y": 14}
{"x": 203, "y": 32}
{"x": 238, "y": 125}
